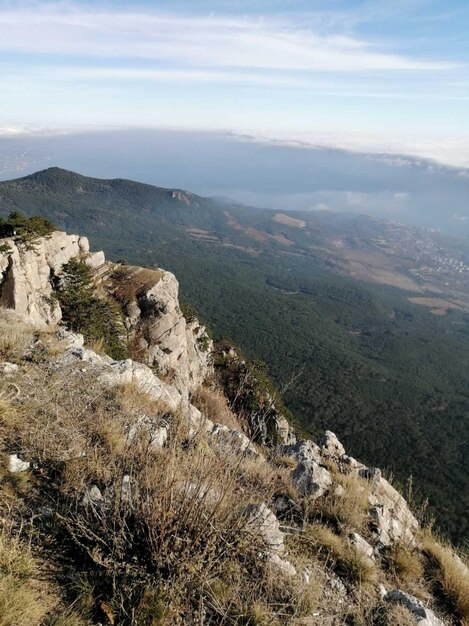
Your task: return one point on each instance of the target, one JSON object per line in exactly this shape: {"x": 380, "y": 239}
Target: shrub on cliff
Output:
{"x": 24, "y": 229}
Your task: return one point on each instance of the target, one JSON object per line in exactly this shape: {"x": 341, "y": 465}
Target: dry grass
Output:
{"x": 449, "y": 576}
{"x": 335, "y": 551}
{"x": 22, "y": 603}
{"x": 15, "y": 337}
{"x": 398, "y": 615}
{"x": 213, "y": 404}
{"x": 349, "y": 508}
{"x": 173, "y": 517}
{"x": 404, "y": 565}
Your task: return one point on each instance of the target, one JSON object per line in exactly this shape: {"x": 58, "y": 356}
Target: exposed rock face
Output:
{"x": 113, "y": 373}
{"x": 25, "y": 285}
{"x": 391, "y": 516}
{"x": 157, "y": 329}
{"x": 304, "y": 451}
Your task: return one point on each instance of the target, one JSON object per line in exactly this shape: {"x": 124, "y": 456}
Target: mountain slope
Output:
{"x": 389, "y": 376}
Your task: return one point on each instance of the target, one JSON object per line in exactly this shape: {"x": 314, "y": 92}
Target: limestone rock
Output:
{"x": 262, "y": 521}
{"x": 126, "y": 489}
{"x": 156, "y": 431}
{"x": 331, "y": 446}
{"x": 128, "y": 371}
{"x": 26, "y": 288}
{"x": 178, "y": 349}
{"x": 282, "y": 565}
{"x": 197, "y": 423}
{"x": 93, "y": 497}
{"x": 69, "y": 340}
{"x": 391, "y": 517}
{"x": 8, "y": 369}
{"x": 423, "y": 615}
{"x": 95, "y": 259}
{"x": 233, "y": 440}
{"x": 304, "y": 451}
{"x": 15, "y": 464}
{"x": 311, "y": 479}
{"x": 362, "y": 546}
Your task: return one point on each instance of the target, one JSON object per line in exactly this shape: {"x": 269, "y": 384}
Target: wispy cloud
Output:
{"x": 230, "y": 42}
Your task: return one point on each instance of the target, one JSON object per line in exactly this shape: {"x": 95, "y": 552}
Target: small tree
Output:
{"x": 96, "y": 318}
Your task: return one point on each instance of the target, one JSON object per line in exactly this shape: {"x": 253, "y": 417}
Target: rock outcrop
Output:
{"x": 178, "y": 349}
{"x": 26, "y": 273}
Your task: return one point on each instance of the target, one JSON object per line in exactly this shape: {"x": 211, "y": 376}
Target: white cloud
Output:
{"x": 400, "y": 151}
{"x": 229, "y": 42}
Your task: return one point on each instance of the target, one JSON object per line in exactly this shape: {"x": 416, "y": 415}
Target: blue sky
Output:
{"x": 381, "y": 72}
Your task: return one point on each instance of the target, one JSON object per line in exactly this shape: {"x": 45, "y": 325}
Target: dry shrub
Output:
{"x": 319, "y": 541}
{"x": 349, "y": 507}
{"x": 449, "y": 576}
{"x": 213, "y": 404}
{"x": 15, "y": 337}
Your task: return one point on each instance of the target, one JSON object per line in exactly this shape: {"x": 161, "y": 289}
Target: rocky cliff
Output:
{"x": 168, "y": 488}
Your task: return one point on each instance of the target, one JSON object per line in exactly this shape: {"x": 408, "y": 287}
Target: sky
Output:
{"x": 379, "y": 75}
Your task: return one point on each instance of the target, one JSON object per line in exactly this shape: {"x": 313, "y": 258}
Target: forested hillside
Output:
{"x": 388, "y": 376}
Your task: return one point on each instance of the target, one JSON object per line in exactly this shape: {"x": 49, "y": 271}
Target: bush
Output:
{"x": 97, "y": 319}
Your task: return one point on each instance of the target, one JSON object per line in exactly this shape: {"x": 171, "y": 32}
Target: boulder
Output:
{"x": 8, "y": 369}
{"x": 361, "y": 546}
{"x": 93, "y": 497}
{"x": 260, "y": 520}
{"x": 15, "y": 464}
{"x": 423, "y": 615}
{"x": 390, "y": 515}
{"x": 304, "y": 451}
{"x": 95, "y": 259}
{"x": 311, "y": 479}
{"x": 198, "y": 423}
{"x": 282, "y": 565}
{"x": 156, "y": 431}
{"x": 331, "y": 446}
{"x": 233, "y": 440}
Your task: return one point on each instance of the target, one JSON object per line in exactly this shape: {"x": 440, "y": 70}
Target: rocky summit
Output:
{"x": 150, "y": 474}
